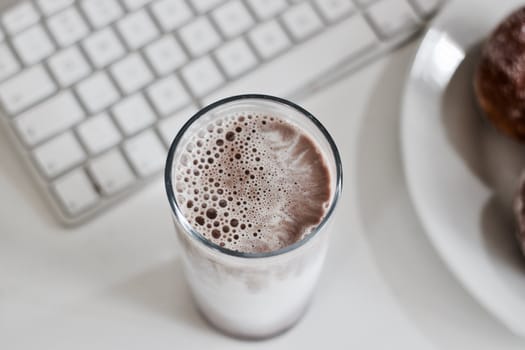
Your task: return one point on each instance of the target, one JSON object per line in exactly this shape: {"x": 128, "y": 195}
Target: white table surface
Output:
{"x": 115, "y": 283}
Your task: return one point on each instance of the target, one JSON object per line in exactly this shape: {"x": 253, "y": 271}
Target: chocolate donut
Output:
{"x": 499, "y": 81}
{"x": 519, "y": 212}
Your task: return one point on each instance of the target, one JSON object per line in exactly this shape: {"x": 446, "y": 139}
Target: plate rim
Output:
{"x": 450, "y": 11}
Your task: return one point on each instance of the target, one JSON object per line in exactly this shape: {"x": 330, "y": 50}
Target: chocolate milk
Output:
{"x": 252, "y": 183}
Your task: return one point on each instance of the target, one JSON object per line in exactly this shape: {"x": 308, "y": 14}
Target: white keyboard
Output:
{"x": 94, "y": 91}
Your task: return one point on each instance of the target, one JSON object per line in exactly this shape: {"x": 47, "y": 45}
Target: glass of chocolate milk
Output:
{"x": 253, "y": 181}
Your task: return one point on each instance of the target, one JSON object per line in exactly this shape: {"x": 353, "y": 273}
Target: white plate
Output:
{"x": 461, "y": 173}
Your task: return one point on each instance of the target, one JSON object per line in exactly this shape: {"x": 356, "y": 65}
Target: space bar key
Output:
{"x": 303, "y": 64}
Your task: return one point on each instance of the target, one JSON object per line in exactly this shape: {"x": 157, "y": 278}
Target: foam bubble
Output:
{"x": 257, "y": 183}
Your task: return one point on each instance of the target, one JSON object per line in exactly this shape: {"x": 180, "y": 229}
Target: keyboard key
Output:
{"x": 132, "y": 5}
{"x": 301, "y": 72}
{"x": 49, "y": 118}
{"x": 98, "y": 133}
{"x": 203, "y": 6}
{"x": 391, "y": 17}
{"x": 233, "y": 18}
{"x": 199, "y": 37}
{"x": 269, "y": 39}
{"x": 202, "y": 76}
{"x": 131, "y": 73}
{"x": 33, "y": 45}
{"x": 59, "y": 154}
{"x": 165, "y": 55}
{"x": 137, "y": 29}
{"x": 69, "y": 66}
{"x": 236, "y": 57}
{"x": 265, "y": 9}
{"x": 302, "y": 21}
{"x": 75, "y": 191}
{"x": 67, "y": 27}
{"x": 26, "y": 88}
{"x": 103, "y": 47}
{"x": 133, "y": 114}
{"x": 170, "y": 126}
{"x": 171, "y": 14}
{"x": 146, "y": 153}
{"x": 427, "y": 8}
{"x": 333, "y": 10}
{"x": 97, "y": 92}
{"x": 101, "y": 12}
{"x": 8, "y": 63}
{"x": 168, "y": 95}
{"x": 111, "y": 172}
{"x": 20, "y": 17}
{"x": 49, "y": 7}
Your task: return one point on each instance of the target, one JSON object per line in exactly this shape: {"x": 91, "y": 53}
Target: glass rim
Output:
{"x": 179, "y": 216}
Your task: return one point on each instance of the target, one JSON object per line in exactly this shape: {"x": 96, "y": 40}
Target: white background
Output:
{"x": 116, "y": 282}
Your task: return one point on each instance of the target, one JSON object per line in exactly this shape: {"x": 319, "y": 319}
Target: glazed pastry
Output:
{"x": 500, "y": 77}
{"x": 519, "y": 213}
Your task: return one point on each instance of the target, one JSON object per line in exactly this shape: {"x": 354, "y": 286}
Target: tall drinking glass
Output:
{"x": 253, "y": 294}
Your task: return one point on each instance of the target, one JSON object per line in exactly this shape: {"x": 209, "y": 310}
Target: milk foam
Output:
{"x": 252, "y": 183}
